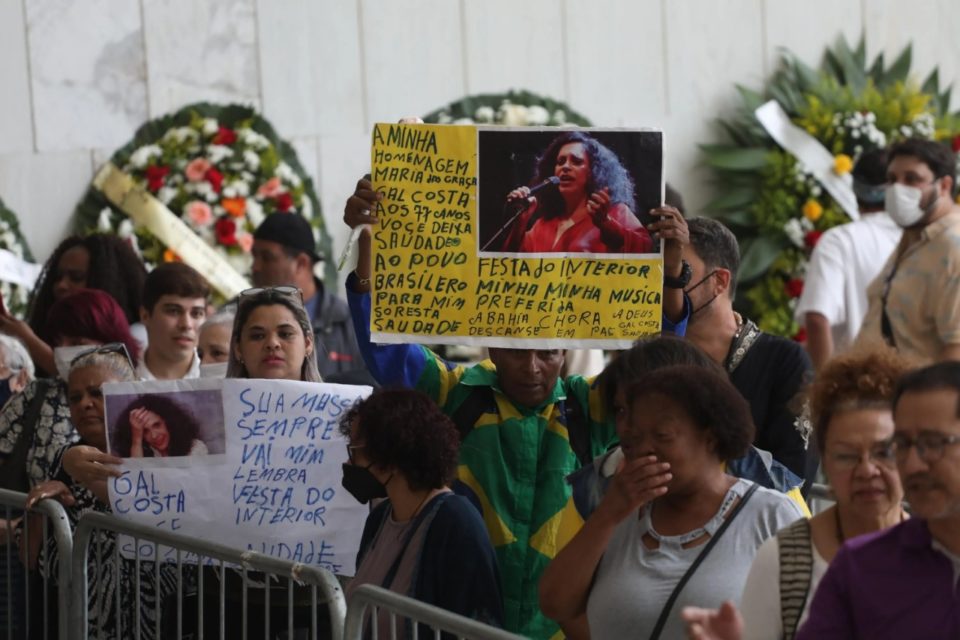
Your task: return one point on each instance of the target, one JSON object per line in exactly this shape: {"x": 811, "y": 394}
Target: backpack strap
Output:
{"x": 795, "y": 546}
{"x": 470, "y": 410}
{"x": 578, "y": 430}
{"x": 480, "y": 398}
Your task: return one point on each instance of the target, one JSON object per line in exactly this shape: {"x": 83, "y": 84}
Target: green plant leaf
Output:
{"x": 876, "y": 70}
{"x": 734, "y": 159}
{"x": 734, "y": 198}
{"x": 751, "y": 99}
{"x": 758, "y": 256}
{"x": 932, "y": 83}
{"x": 900, "y": 68}
{"x": 741, "y": 218}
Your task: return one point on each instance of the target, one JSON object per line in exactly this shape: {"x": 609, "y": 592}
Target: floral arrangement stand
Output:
{"x": 15, "y": 296}
{"x": 221, "y": 169}
{"x": 512, "y": 109}
{"x": 772, "y": 202}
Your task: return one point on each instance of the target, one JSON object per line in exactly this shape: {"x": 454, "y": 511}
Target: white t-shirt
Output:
{"x": 633, "y": 583}
{"x": 145, "y": 374}
{"x": 760, "y": 604}
{"x": 843, "y": 264}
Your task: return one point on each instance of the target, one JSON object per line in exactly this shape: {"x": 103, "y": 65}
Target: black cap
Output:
{"x": 291, "y": 230}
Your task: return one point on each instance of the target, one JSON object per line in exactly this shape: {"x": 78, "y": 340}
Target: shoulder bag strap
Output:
{"x": 795, "y": 546}
{"x": 665, "y": 612}
{"x": 424, "y": 516}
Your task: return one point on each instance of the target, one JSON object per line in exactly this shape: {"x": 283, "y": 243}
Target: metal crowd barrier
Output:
{"x": 369, "y": 598}
{"x": 820, "y": 498}
{"x": 19, "y": 584}
{"x": 204, "y": 553}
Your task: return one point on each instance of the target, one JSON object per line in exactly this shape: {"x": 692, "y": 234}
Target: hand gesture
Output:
{"x": 724, "y": 623}
{"x": 672, "y": 229}
{"x": 358, "y": 210}
{"x": 636, "y": 483}
{"x": 138, "y": 421}
{"x": 611, "y": 232}
{"x": 598, "y": 204}
{"x": 15, "y": 327}
{"x": 50, "y": 489}
{"x": 88, "y": 465}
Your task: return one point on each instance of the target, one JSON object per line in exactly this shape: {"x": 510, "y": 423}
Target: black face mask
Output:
{"x": 706, "y": 304}
{"x": 362, "y": 484}
{"x": 5, "y": 391}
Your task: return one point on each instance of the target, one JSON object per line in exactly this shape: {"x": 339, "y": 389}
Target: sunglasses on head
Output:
{"x": 112, "y": 347}
{"x": 283, "y": 289}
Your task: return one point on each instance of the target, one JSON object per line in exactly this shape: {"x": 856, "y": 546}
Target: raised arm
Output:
{"x": 565, "y": 585}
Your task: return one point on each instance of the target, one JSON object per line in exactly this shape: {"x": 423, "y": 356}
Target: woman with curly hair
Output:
{"x": 591, "y": 210}
{"x": 850, "y": 402}
{"x": 98, "y": 261}
{"x": 155, "y": 426}
{"x": 423, "y": 541}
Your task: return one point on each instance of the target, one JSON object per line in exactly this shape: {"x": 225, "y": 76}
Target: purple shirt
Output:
{"x": 890, "y": 584}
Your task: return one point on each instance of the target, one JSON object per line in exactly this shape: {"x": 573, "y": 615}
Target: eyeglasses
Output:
{"x": 283, "y": 289}
{"x": 930, "y": 445}
{"x": 881, "y": 455}
{"x": 351, "y": 447}
{"x": 111, "y": 347}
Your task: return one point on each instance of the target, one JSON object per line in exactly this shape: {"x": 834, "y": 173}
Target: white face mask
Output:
{"x": 903, "y": 204}
{"x": 215, "y": 370}
{"x": 63, "y": 356}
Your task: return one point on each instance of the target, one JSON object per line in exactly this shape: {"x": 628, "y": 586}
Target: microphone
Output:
{"x": 552, "y": 181}
{"x": 516, "y": 207}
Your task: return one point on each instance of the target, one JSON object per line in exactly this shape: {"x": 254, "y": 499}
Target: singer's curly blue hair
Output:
{"x": 606, "y": 170}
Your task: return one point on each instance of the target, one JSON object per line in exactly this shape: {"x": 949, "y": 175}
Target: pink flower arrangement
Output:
{"x": 245, "y": 241}
{"x": 199, "y": 213}
{"x": 271, "y": 188}
{"x": 197, "y": 169}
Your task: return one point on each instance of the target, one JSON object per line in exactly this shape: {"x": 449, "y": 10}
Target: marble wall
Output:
{"x": 78, "y": 76}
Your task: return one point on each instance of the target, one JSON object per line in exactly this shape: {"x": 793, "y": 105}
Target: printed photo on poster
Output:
{"x": 166, "y": 425}
{"x": 568, "y": 192}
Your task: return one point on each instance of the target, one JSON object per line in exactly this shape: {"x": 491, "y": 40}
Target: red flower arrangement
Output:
{"x": 225, "y": 136}
{"x": 794, "y": 287}
{"x": 226, "y": 231}
{"x": 812, "y": 238}
{"x": 156, "y": 174}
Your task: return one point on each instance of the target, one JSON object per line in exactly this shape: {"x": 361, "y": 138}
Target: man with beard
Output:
{"x": 767, "y": 370}
{"x": 914, "y": 304}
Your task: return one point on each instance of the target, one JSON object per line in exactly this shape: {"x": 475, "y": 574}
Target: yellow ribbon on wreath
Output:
{"x": 145, "y": 210}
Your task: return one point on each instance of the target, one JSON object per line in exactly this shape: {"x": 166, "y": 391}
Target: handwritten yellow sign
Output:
{"x": 432, "y": 284}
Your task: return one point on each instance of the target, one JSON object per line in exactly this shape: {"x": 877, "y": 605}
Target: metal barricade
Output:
{"x": 21, "y": 617}
{"x": 172, "y": 548}
{"x": 820, "y": 498}
{"x": 367, "y": 597}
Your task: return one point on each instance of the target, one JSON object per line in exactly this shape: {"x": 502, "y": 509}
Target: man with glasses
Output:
{"x": 914, "y": 304}
{"x": 904, "y": 582}
{"x": 284, "y": 253}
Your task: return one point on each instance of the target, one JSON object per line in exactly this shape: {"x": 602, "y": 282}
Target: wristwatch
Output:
{"x": 679, "y": 282}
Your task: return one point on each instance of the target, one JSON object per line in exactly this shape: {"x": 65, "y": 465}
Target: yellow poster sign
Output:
{"x": 464, "y": 256}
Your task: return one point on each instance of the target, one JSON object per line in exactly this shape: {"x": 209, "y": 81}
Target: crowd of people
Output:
{"x": 663, "y": 498}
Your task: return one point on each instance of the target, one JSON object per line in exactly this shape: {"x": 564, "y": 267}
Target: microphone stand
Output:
{"x": 523, "y": 207}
